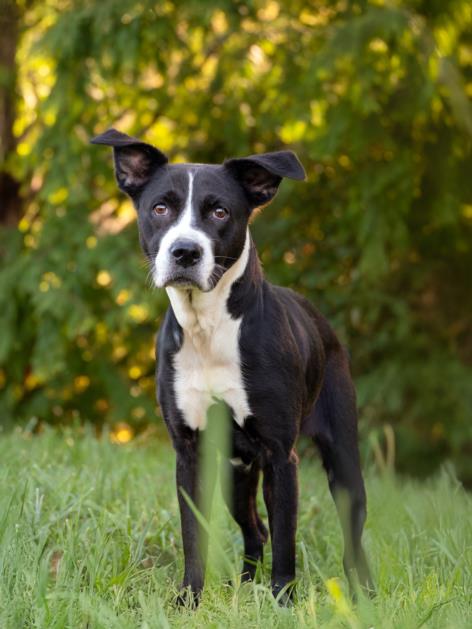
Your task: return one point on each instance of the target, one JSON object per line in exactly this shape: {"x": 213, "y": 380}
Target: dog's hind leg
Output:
{"x": 335, "y": 432}
{"x": 241, "y": 501}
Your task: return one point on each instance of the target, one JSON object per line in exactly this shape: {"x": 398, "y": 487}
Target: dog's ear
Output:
{"x": 260, "y": 175}
{"x": 135, "y": 161}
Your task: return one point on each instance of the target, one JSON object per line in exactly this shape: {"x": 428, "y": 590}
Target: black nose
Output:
{"x": 186, "y": 252}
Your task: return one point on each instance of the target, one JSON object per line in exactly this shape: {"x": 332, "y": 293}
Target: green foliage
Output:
{"x": 90, "y": 536}
{"x": 372, "y": 95}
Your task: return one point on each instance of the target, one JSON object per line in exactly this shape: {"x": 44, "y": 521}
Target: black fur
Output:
{"x": 296, "y": 374}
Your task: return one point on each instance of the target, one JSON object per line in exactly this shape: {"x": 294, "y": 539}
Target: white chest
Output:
{"x": 208, "y": 366}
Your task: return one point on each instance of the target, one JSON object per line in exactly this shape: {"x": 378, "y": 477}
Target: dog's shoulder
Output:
{"x": 302, "y": 311}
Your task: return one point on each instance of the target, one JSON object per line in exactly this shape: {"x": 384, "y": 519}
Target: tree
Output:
{"x": 372, "y": 95}
{"x": 10, "y": 208}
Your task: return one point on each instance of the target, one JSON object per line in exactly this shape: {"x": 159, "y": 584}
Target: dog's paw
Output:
{"x": 366, "y": 589}
{"x": 284, "y": 592}
{"x": 188, "y": 598}
{"x": 248, "y": 573}
{"x": 366, "y": 582}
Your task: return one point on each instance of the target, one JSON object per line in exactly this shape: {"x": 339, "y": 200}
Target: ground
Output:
{"x": 89, "y": 538}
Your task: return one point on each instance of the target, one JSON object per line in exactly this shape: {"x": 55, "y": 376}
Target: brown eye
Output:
{"x": 160, "y": 209}
{"x": 220, "y": 213}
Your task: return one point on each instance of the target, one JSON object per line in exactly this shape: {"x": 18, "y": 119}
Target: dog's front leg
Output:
{"x": 195, "y": 539}
{"x": 281, "y": 496}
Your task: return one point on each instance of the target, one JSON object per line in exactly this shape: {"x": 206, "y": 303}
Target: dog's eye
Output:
{"x": 220, "y": 213}
{"x": 160, "y": 209}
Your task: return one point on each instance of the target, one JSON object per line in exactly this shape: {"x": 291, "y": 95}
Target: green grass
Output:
{"x": 89, "y": 537}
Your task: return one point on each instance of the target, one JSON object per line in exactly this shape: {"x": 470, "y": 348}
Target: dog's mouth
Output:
{"x": 181, "y": 281}
{"x": 185, "y": 282}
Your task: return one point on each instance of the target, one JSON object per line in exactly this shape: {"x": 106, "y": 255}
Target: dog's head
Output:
{"x": 193, "y": 217}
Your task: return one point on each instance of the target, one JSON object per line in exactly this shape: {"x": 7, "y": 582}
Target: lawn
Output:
{"x": 89, "y": 537}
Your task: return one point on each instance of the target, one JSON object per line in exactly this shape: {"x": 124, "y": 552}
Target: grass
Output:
{"x": 90, "y": 537}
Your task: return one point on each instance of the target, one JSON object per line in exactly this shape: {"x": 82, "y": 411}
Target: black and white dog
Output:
{"x": 262, "y": 349}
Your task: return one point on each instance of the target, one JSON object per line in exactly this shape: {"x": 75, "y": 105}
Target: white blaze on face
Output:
{"x": 184, "y": 228}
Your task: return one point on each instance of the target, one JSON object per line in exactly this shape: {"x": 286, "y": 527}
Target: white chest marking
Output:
{"x": 208, "y": 365}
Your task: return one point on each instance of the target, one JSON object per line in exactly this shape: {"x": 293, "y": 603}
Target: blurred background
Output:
{"x": 374, "y": 96}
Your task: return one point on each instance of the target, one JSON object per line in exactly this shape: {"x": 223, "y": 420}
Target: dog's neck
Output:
{"x": 200, "y": 313}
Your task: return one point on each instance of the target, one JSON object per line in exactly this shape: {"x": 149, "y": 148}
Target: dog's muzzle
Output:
{"x": 184, "y": 268}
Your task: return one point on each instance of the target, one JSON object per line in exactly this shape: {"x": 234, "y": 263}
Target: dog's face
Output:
{"x": 193, "y": 218}
{"x": 192, "y": 222}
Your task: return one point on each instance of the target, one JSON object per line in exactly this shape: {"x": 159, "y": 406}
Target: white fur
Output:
{"x": 239, "y": 463}
{"x": 184, "y": 229}
{"x": 208, "y": 365}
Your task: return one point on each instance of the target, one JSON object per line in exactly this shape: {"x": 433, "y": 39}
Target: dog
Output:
{"x": 263, "y": 350}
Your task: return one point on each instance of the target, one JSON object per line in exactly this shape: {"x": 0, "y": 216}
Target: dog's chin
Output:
{"x": 183, "y": 283}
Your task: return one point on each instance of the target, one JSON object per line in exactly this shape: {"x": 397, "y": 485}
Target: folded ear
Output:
{"x": 260, "y": 175}
{"x": 135, "y": 161}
